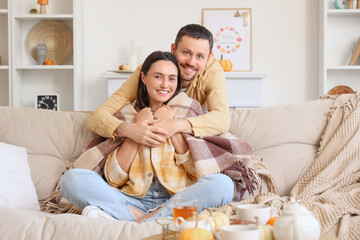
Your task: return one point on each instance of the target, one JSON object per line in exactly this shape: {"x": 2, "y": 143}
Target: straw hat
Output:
{"x": 57, "y": 37}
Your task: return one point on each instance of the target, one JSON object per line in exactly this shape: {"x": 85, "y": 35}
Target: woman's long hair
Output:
{"x": 142, "y": 98}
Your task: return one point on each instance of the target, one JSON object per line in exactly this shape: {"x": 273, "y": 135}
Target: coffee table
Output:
{"x": 172, "y": 236}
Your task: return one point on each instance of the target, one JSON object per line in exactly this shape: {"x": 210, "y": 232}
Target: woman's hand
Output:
{"x": 143, "y": 130}
{"x": 143, "y": 115}
{"x": 164, "y": 113}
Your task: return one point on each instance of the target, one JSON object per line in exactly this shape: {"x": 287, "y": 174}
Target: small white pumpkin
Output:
{"x": 219, "y": 219}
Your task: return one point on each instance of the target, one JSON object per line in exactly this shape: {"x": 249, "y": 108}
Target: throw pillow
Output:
{"x": 17, "y": 189}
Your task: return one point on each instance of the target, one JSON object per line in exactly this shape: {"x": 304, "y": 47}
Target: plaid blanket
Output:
{"x": 216, "y": 154}
{"x": 331, "y": 186}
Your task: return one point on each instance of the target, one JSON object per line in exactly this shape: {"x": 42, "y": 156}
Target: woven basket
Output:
{"x": 340, "y": 89}
{"x": 57, "y": 37}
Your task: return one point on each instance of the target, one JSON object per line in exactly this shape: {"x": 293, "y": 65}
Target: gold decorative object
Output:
{"x": 57, "y": 37}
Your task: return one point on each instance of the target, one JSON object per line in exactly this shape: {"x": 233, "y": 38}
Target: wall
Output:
{"x": 285, "y": 40}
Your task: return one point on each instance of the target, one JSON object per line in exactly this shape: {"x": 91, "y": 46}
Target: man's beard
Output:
{"x": 186, "y": 82}
{"x": 185, "y": 79}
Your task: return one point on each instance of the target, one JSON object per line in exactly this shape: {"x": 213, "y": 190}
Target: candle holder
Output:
{"x": 43, "y": 4}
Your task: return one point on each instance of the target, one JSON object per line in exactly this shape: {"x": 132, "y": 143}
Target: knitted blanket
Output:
{"x": 217, "y": 154}
{"x": 331, "y": 187}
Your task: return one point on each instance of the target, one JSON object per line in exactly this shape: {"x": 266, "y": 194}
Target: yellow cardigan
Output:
{"x": 174, "y": 171}
{"x": 209, "y": 88}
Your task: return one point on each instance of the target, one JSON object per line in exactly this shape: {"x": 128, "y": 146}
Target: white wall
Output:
{"x": 285, "y": 40}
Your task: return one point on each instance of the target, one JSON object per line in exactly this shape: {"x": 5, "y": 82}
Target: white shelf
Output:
{"x": 45, "y": 67}
{"x": 338, "y": 34}
{"x": 357, "y": 67}
{"x": 343, "y": 12}
{"x": 25, "y": 78}
{"x": 45, "y": 17}
{"x": 3, "y": 11}
{"x": 4, "y": 67}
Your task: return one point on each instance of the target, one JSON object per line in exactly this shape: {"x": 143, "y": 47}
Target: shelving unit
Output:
{"x": 4, "y": 52}
{"x": 21, "y": 77}
{"x": 339, "y": 33}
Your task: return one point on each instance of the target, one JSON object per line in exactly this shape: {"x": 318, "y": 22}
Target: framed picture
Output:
{"x": 231, "y": 29}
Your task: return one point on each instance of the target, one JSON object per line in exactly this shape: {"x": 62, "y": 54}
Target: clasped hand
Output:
{"x": 153, "y": 129}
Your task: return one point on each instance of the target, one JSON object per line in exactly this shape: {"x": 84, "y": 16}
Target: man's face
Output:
{"x": 192, "y": 55}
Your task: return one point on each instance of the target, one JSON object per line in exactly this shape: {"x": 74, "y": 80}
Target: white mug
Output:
{"x": 249, "y": 212}
{"x": 182, "y": 224}
{"x": 236, "y": 232}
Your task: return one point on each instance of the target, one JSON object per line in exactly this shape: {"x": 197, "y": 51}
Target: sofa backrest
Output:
{"x": 285, "y": 136}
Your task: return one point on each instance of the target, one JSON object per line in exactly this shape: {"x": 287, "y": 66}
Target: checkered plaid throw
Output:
{"x": 216, "y": 154}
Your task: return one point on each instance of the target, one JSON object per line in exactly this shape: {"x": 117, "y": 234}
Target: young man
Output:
{"x": 202, "y": 79}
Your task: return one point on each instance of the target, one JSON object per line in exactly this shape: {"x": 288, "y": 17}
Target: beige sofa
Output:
{"x": 286, "y": 136}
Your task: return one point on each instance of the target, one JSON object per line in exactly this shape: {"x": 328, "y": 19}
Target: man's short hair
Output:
{"x": 196, "y": 31}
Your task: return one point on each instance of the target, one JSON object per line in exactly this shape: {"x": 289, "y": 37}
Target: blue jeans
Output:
{"x": 85, "y": 187}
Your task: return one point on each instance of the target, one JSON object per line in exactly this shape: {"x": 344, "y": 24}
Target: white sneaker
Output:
{"x": 95, "y": 212}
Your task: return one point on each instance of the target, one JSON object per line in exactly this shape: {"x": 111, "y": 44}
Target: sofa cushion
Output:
{"x": 52, "y": 140}
{"x": 46, "y": 171}
{"x": 35, "y": 225}
{"x": 17, "y": 189}
{"x": 285, "y": 136}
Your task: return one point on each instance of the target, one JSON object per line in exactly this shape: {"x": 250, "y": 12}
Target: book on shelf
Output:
{"x": 355, "y": 54}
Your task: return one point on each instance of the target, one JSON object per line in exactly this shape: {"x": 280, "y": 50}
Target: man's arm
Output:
{"x": 212, "y": 88}
{"x": 103, "y": 122}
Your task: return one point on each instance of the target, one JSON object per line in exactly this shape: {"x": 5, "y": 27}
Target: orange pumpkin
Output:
{"x": 271, "y": 221}
{"x": 49, "y": 62}
{"x": 195, "y": 234}
{"x": 226, "y": 64}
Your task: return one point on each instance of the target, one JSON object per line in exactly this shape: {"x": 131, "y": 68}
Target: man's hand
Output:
{"x": 143, "y": 130}
{"x": 173, "y": 126}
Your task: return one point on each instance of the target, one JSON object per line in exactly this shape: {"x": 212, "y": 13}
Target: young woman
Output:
{"x": 140, "y": 180}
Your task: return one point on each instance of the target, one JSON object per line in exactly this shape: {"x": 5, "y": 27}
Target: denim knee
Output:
{"x": 72, "y": 179}
{"x": 220, "y": 184}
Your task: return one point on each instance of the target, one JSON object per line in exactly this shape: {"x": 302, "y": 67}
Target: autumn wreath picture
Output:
{"x": 231, "y": 29}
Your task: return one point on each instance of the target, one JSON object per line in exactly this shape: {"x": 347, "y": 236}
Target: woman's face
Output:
{"x": 161, "y": 82}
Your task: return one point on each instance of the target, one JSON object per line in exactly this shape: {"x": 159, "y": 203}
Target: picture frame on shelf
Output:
{"x": 232, "y": 33}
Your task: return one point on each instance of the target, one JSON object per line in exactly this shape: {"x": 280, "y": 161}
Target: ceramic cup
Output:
{"x": 236, "y": 232}
{"x": 182, "y": 224}
{"x": 248, "y": 212}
